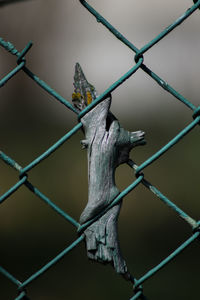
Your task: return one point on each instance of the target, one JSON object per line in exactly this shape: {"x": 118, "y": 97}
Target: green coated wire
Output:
{"x": 52, "y": 262}
{"x": 118, "y": 35}
{"x": 21, "y": 296}
{"x": 51, "y": 149}
{"x": 113, "y": 30}
{"x": 167, "y": 87}
{"x": 12, "y": 73}
{"x": 13, "y": 189}
{"x": 139, "y": 59}
{"x": 137, "y": 296}
{"x": 10, "y": 276}
{"x": 193, "y": 223}
{"x": 79, "y": 125}
{"x": 49, "y": 90}
{"x": 9, "y": 47}
{"x": 168, "y": 259}
{"x": 8, "y": 160}
{"x": 51, "y": 204}
{"x": 168, "y": 29}
{"x": 175, "y": 140}
{"x": 21, "y": 66}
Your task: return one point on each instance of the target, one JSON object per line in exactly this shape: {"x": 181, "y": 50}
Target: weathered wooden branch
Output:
{"x": 108, "y": 145}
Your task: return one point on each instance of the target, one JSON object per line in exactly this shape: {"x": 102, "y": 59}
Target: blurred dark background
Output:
{"x": 31, "y": 234}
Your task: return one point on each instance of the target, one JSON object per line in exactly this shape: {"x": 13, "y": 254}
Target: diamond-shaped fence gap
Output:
{"x": 124, "y": 176}
{"x": 58, "y": 176}
{"x": 174, "y": 24}
{"x": 31, "y": 132}
{"x": 166, "y": 148}
{"x": 148, "y": 24}
{"x": 89, "y": 275}
{"x": 131, "y": 96}
{"x": 166, "y": 14}
{"x": 53, "y": 108}
{"x": 186, "y": 194}
{"x": 169, "y": 61}
{"x": 127, "y": 26}
{"x": 181, "y": 157}
{"x": 139, "y": 92}
{"x": 33, "y": 96}
{"x": 151, "y": 222}
{"x": 182, "y": 268}
{"x": 115, "y": 58}
{"x": 155, "y": 287}
{"x": 158, "y": 134}
{"x": 25, "y": 143}
{"x": 45, "y": 287}
{"x": 31, "y": 140}
{"x": 44, "y": 231}
{"x": 134, "y": 216}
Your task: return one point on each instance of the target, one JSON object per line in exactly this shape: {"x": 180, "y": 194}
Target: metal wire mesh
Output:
{"x": 140, "y": 177}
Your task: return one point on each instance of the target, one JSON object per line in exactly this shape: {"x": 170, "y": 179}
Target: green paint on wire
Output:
{"x": 51, "y": 149}
{"x": 51, "y": 204}
{"x": 52, "y": 262}
{"x": 10, "y": 276}
{"x": 12, "y": 73}
{"x": 9, "y": 161}
{"x": 140, "y": 177}
{"x": 13, "y": 189}
{"x": 175, "y": 140}
{"x": 21, "y": 296}
{"x": 168, "y": 259}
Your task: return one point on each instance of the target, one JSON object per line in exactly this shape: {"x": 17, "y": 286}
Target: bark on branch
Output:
{"x": 108, "y": 145}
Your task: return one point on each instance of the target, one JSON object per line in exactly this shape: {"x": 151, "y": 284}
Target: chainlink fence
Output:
{"x": 140, "y": 177}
